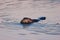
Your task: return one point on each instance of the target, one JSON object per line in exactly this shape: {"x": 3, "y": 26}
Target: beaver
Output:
{"x": 27, "y": 20}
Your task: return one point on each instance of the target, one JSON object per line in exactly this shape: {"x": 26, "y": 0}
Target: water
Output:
{"x": 12, "y": 11}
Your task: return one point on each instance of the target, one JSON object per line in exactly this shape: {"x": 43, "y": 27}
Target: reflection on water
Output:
{"x": 53, "y": 29}
{"x": 48, "y": 28}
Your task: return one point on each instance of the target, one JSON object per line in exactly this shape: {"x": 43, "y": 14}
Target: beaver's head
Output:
{"x": 26, "y": 20}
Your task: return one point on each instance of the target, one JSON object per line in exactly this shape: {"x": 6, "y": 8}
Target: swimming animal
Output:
{"x": 27, "y": 20}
